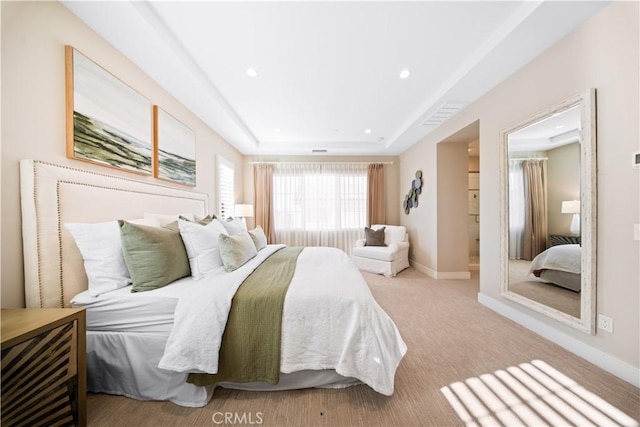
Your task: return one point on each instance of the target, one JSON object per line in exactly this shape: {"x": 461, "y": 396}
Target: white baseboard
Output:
{"x": 611, "y": 364}
{"x": 423, "y": 268}
{"x": 464, "y": 275}
{"x": 440, "y": 274}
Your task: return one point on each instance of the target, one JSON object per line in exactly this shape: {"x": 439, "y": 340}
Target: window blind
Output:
{"x": 226, "y": 187}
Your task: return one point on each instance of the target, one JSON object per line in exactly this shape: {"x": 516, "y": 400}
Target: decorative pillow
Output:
{"x": 174, "y": 224}
{"x": 392, "y": 233}
{"x": 234, "y": 225}
{"x": 199, "y": 218}
{"x": 155, "y": 256}
{"x": 236, "y": 250}
{"x": 201, "y": 243}
{"x": 374, "y": 237}
{"x": 164, "y": 219}
{"x": 151, "y": 222}
{"x": 104, "y": 263}
{"x": 258, "y": 237}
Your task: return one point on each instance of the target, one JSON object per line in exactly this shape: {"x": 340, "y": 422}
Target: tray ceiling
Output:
{"x": 352, "y": 78}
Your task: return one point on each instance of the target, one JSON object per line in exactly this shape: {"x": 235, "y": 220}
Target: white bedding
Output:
{"x": 331, "y": 324}
{"x": 124, "y": 311}
{"x": 330, "y": 321}
{"x": 561, "y": 257}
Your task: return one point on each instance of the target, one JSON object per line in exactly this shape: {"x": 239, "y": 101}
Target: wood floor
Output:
{"x": 451, "y": 338}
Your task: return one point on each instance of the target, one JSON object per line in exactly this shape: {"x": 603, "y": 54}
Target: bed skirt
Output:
{"x": 126, "y": 364}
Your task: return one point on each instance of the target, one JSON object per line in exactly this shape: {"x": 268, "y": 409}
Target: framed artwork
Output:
{"x": 108, "y": 122}
{"x": 174, "y": 149}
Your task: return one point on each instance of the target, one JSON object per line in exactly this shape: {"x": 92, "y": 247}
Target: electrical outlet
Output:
{"x": 605, "y": 323}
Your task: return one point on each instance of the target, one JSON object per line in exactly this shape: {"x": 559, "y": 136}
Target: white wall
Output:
{"x": 33, "y": 114}
{"x": 563, "y": 173}
{"x": 601, "y": 54}
{"x": 453, "y": 211}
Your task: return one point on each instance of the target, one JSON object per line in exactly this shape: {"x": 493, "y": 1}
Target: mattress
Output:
{"x": 138, "y": 312}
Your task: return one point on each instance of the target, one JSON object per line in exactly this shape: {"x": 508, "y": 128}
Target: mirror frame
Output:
{"x": 588, "y": 213}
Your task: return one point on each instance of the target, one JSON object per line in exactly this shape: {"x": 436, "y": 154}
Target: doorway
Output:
{"x": 474, "y": 205}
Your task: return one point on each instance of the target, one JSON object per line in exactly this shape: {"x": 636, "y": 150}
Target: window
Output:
{"x": 226, "y": 187}
{"x": 319, "y": 204}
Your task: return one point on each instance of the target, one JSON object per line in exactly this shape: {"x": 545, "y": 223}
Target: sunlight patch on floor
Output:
{"x": 530, "y": 394}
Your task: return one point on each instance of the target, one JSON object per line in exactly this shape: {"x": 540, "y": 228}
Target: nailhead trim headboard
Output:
{"x": 52, "y": 195}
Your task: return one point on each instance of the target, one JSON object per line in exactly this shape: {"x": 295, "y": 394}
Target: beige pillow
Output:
{"x": 236, "y": 250}
{"x": 155, "y": 256}
{"x": 258, "y": 237}
{"x": 202, "y": 221}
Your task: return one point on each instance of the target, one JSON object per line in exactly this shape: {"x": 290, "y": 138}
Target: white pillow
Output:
{"x": 201, "y": 242}
{"x": 234, "y": 226}
{"x": 100, "y": 246}
{"x": 392, "y": 233}
{"x": 164, "y": 219}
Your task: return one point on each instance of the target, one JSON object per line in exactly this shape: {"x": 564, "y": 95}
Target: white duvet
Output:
{"x": 561, "y": 257}
{"x": 330, "y": 321}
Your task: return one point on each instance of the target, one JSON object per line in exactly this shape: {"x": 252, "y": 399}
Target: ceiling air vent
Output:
{"x": 319, "y": 150}
{"x": 443, "y": 113}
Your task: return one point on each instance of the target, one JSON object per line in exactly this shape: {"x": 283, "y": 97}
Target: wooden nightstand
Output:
{"x": 44, "y": 367}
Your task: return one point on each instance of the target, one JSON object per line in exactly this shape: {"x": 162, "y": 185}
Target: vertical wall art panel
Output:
{"x": 174, "y": 149}
{"x": 107, "y": 122}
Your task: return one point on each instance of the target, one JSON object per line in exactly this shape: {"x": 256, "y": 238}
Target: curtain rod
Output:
{"x": 319, "y": 163}
{"x": 529, "y": 158}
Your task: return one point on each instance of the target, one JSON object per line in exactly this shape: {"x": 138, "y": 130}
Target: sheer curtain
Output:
{"x": 516, "y": 209}
{"x": 319, "y": 204}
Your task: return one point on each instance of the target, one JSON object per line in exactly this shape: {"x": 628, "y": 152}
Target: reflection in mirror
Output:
{"x": 548, "y": 262}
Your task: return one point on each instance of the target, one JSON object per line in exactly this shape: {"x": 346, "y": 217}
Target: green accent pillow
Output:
{"x": 374, "y": 237}
{"x": 236, "y": 250}
{"x": 258, "y": 237}
{"x": 155, "y": 256}
{"x": 173, "y": 226}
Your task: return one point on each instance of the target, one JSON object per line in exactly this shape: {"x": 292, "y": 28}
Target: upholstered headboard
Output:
{"x": 52, "y": 195}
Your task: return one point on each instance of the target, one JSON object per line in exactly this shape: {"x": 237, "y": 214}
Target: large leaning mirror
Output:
{"x": 548, "y": 212}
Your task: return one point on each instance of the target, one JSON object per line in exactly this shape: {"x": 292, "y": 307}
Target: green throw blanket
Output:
{"x": 250, "y": 349}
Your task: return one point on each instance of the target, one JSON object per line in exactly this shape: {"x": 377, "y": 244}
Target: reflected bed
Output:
{"x": 559, "y": 265}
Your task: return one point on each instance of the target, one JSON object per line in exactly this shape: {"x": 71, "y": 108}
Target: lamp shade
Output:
{"x": 243, "y": 211}
{"x": 571, "y": 207}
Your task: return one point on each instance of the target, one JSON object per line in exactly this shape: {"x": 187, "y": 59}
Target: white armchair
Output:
{"x": 387, "y": 260}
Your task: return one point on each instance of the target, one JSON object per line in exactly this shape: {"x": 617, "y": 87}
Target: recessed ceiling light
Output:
{"x": 277, "y": 130}
{"x": 559, "y": 126}
{"x": 251, "y": 72}
{"x": 367, "y": 131}
{"x": 405, "y": 73}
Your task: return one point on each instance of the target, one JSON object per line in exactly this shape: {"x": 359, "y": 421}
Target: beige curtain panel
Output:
{"x": 535, "y": 222}
{"x": 375, "y": 193}
{"x": 263, "y": 199}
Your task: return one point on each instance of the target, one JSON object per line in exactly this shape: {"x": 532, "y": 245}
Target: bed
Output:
{"x": 559, "y": 265}
{"x": 141, "y": 344}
